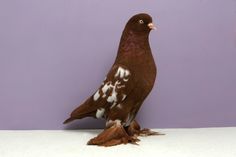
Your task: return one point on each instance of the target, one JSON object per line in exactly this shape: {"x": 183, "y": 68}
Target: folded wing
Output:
{"x": 114, "y": 89}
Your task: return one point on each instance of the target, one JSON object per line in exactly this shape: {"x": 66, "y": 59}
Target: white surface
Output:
{"x": 206, "y": 142}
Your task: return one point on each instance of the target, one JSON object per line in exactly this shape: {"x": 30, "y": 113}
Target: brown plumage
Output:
{"x": 126, "y": 86}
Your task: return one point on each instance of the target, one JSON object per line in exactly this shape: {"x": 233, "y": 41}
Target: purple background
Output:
{"x": 54, "y": 53}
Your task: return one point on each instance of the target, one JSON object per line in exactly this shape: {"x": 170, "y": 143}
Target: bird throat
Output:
{"x": 133, "y": 45}
{"x": 130, "y": 42}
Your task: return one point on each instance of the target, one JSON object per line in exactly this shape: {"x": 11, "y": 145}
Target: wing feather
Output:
{"x": 117, "y": 85}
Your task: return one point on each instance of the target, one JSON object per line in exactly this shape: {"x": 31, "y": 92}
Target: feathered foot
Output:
{"x": 134, "y": 129}
{"x": 114, "y": 135}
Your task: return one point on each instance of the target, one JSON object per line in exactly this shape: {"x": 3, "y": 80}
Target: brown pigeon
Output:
{"x": 127, "y": 84}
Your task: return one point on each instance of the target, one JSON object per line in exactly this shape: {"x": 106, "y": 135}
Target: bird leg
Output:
{"x": 112, "y": 135}
{"x": 135, "y": 130}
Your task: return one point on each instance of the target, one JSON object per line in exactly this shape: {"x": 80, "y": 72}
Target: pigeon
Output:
{"x": 127, "y": 84}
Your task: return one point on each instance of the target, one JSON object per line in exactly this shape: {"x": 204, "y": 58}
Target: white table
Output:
{"x": 204, "y": 142}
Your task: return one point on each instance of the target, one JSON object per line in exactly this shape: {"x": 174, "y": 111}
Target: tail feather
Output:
{"x": 68, "y": 120}
{"x": 84, "y": 110}
{"x": 78, "y": 116}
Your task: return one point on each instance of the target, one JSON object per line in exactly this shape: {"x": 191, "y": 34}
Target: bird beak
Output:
{"x": 151, "y": 26}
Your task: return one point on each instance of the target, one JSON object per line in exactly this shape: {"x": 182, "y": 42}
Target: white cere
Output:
{"x": 100, "y": 112}
{"x": 121, "y": 72}
{"x": 96, "y": 96}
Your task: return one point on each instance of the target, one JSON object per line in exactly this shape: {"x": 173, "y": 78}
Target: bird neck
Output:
{"x": 132, "y": 40}
{"x": 133, "y": 44}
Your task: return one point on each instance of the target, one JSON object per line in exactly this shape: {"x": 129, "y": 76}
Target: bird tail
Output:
{"x": 69, "y": 120}
{"x": 84, "y": 110}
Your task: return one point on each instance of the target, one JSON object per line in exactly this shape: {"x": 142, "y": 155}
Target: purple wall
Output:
{"x": 54, "y": 53}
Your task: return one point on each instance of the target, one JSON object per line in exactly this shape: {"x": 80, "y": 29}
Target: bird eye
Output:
{"x": 141, "y": 21}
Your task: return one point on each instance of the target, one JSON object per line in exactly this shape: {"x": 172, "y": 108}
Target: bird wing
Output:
{"x": 117, "y": 85}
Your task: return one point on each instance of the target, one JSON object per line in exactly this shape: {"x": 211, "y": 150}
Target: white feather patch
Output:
{"x": 100, "y": 112}
{"x": 113, "y": 96}
{"x": 96, "y": 96}
{"x": 106, "y": 87}
{"x": 119, "y": 106}
{"x": 126, "y": 79}
{"x": 112, "y": 122}
{"x": 121, "y": 86}
{"x": 113, "y": 105}
{"x": 124, "y": 96}
{"x": 121, "y": 72}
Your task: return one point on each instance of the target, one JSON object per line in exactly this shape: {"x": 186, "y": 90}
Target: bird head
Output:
{"x": 140, "y": 23}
